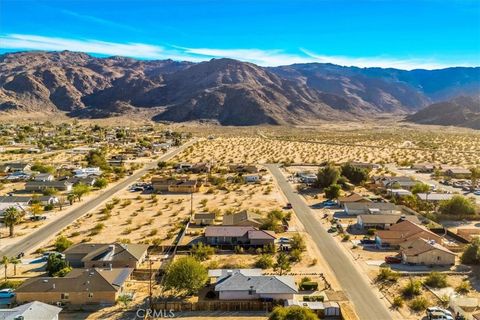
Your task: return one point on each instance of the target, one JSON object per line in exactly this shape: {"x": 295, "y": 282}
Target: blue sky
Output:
{"x": 403, "y": 34}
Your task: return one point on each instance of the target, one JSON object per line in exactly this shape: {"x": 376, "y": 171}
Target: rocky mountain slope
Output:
{"x": 226, "y": 91}
{"x": 462, "y": 111}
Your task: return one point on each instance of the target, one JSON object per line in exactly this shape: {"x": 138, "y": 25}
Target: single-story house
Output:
{"x": 19, "y": 206}
{"x": 43, "y": 185}
{"x": 204, "y": 218}
{"x": 201, "y": 167}
{"x": 31, "y": 310}
{"x": 18, "y": 166}
{"x": 218, "y": 235}
{"x": 44, "y": 177}
{"x": 243, "y": 168}
{"x": 307, "y": 177}
{"x": 356, "y": 208}
{"x": 426, "y": 252}
{"x": 79, "y": 287}
{"x": 19, "y": 176}
{"x": 26, "y": 200}
{"x": 322, "y": 309}
{"x": 353, "y": 197}
{"x": 458, "y": 173}
{"x": 242, "y": 218}
{"x": 97, "y": 255}
{"x": 88, "y": 180}
{"x": 400, "y": 182}
{"x": 85, "y": 172}
{"x": 382, "y": 221}
{"x": 174, "y": 185}
{"x": 216, "y": 274}
{"x": 238, "y": 286}
{"x": 434, "y": 196}
{"x": 403, "y": 232}
{"x": 424, "y": 167}
{"x": 250, "y": 178}
{"x": 398, "y": 192}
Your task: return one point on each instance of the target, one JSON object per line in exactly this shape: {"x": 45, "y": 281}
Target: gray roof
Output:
{"x": 227, "y": 272}
{"x": 204, "y": 215}
{"x": 79, "y": 280}
{"x": 31, "y": 310}
{"x": 108, "y": 252}
{"x": 371, "y": 205}
{"x": 260, "y": 284}
{"x": 227, "y": 231}
{"x": 237, "y": 218}
{"x": 386, "y": 218}
{"x": 435, "y": 196}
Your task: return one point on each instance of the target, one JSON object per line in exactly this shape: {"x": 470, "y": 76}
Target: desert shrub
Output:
{"x": 309, "y": 285}
{"x": 297, "y": 242}
{"x": 419, "y": 304}
{"x": 62, "y": 243}
{"x": 397, "y": 302}
{"x": 463, "y": 288}
{"x": 314, "y": 298}
{"x": 412, "y": 288}
{"x": 436, "y": 280}
{"x": 387, "y": 274}
{"x": 265, "y": 261}
{"x": 201, "y": 251}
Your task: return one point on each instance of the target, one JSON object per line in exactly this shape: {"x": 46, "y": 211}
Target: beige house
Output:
{"x": 404, "y": 232}
{"x": 242, "y": 218}
{"x": 174, "y": 185}
{"x": 97, "y": 255}
{"x": 204, "y": 218}
{"x": 79, "y": 287}
{"x": 426, "y": 252}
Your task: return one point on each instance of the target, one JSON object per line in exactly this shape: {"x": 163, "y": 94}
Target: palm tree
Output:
{"x": 5, "y": 262}
{"x": 11, "y": 218}
{"x": 15, "y": 261}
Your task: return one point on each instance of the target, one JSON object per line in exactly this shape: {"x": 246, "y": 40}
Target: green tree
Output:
{"x": 42, "y": 168}
{"x": 471, "y": 255}
{"x": 354, "y": 174}
{"x": 97, "y": 158}
{"x": 11, "y": 218}
{"x": 332, "y": 192}
{"x": 297, "y": 242}
{"x": 185, "y": 276}
{"x": 457, "y": 205}
{"x": 55, "y": 263}
{"x": 80, "y": 190}
{"x": 100, "y": 183}
{"x": 36, "y": 208}
{"x": 412, "y": 289}
{"x": 327, "y": 176}
{"x": 5, "y": 261}
{"x": 420, "y": 187}
{"x": 71, "y": 198}
{"x": 282, "y": 264}
{"x": 125, "y": 299}
{"x": 15, "y": 261}
{"x": 62, "y": 243}
{"x": 201, "y": 251}
{"x": 292, "y": 313}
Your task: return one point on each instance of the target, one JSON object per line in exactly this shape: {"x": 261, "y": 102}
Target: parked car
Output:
{"x": 38, "y": 218}
{"x": 329, "y": 203}
{"x": 6, "y": 293}
{"x": 477, "y": 192}
{"x": 437, "y": 311}
{"x": 288, "y": 206}
{"x": 367, "y": 241}
{"x": 393, "y": 259}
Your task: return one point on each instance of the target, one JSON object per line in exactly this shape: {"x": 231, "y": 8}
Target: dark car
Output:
{"x": 288, "y": 206}
{"x": 38, "y": 218}
{"x": 367, "y": 241}
{"x": 393, "y": 259}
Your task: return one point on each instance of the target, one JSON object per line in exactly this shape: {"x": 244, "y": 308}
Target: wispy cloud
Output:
{"x": 257, "y": 56}
{"x": 99, "y": 21}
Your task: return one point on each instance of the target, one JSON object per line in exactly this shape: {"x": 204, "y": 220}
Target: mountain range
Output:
{"x": 231, "y": 92}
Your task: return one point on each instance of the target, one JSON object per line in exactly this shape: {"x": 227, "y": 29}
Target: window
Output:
{"x": 90, "y": 294}
{"x": 64, "y": 296}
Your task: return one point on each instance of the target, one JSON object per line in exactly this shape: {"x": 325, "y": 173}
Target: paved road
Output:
{"x": 367, "y": 304}
{"x": 51, "y": 229}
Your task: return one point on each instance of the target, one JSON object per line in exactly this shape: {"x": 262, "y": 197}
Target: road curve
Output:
{"x": 367, "y": 305}
{"x": 40, "y": 235}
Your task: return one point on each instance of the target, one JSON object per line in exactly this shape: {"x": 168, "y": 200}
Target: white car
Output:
{"x": 439, "y": 314}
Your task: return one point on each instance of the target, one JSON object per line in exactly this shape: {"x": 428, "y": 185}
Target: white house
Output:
{"x": 31, "y": 310}
{"x": 85, "y": 172}
{"x": 250, "y": 178}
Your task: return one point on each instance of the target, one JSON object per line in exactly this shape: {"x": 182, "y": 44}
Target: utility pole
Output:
{"x": 150, "y": 283}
